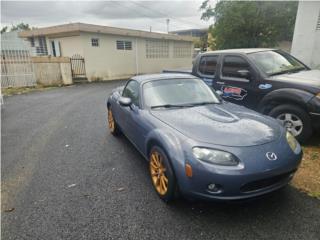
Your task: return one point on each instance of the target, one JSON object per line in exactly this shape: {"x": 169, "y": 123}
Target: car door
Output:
{"x": 237, "y": 80}
{"x": 133, "y": 114}
{"x": 207, "y": 68}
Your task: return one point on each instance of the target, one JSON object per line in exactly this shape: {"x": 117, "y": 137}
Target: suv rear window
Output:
{"x": 208, "y": 65}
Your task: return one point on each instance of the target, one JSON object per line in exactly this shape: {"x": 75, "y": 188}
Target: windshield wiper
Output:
{"x": 293, "y": 70}
{"x": 172, "y": 106}
{"x": 182, "y": 105}
{"x": 202, "y": 103}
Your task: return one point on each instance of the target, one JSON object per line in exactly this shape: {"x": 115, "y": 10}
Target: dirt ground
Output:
{"x": 21, "y": 90}
{"x": 307, "y": 178}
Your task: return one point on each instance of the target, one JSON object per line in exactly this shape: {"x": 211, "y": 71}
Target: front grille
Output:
{"x": 264, "y": 183}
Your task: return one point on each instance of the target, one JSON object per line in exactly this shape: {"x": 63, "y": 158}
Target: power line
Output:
{"x": 165, "y": 15}
{"x": 139, "y": 13}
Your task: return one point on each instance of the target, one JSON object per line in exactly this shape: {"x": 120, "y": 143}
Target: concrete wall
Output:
{"x": 106, "y": 62}
{"x": 52, "y": 70}
{"x": 306, "y": 39}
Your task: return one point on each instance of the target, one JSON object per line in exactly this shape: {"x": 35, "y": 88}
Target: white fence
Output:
{"x": 16, "y": 65}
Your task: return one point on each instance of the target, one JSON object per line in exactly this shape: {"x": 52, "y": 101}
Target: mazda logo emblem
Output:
{"x": 271, "y": 156}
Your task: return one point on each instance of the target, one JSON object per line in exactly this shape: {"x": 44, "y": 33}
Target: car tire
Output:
{"x": 290, "y": 116}
{"x": 112, "y": 125}
{"x": 162, "y": 175}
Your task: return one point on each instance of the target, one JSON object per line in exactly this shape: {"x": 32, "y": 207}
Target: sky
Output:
{"x": 126, "y": 14}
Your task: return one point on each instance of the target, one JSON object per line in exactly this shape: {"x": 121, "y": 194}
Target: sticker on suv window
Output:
{"x": 233, "y": 92}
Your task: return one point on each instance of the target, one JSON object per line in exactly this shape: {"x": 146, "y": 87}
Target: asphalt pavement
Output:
{"x": 65, "y": 177}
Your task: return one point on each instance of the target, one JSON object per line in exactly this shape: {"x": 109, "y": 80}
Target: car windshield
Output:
{"x": 178, "y": 93}
{"x": 276, "y": 62}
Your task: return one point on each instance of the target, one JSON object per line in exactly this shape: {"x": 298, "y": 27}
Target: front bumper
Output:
{"x": 238, "y": 187}
{"x": 256, "y": 176}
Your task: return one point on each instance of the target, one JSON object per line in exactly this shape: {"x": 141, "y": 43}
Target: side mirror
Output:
{"x": 220, "y": 93}
{"x": 244, "y": 73}
{"x": 124, "y": 101}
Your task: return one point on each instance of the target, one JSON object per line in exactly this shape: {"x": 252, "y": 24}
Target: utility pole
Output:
{"x": 150, "y": 28}
{"x": 168, "y": 20}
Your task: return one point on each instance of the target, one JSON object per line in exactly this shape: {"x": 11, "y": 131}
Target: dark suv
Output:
{"x": 267, "y": 80}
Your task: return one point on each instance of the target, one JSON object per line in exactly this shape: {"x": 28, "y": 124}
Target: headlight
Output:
{"x": 292, "y": 141}
{"x": 215, "y": 156}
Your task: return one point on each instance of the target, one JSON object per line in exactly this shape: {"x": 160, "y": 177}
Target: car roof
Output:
{"x": 159, "y": 76}
{"x": 241, "y": 50}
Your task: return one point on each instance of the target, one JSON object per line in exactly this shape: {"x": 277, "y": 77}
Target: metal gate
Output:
{"x": 78, "y": 67}
{"x": 16, "y": 65}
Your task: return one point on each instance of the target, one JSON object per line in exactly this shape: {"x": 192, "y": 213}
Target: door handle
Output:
{"x": 220, "y": 82}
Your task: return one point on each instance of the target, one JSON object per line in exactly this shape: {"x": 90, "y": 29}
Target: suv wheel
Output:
{"x": 295, "y": 119}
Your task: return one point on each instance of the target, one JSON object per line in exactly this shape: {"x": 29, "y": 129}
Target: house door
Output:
{"x": 78, "y": 67}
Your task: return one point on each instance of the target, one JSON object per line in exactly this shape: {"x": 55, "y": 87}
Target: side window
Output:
{"x": 234, "y": 66}
{"x": 208, "y": 65}
{"x": 132, "y": 91}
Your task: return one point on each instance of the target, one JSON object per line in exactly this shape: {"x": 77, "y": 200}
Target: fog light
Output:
{"x": 214, "y": 188}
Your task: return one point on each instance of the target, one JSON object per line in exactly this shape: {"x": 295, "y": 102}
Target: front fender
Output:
{"x": 171, "y": 143}
{"x": 285, "y": 95}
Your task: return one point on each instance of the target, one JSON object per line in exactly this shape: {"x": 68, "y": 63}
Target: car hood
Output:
{"x": 309, "y": 77}
{"x": 221, "y": 124}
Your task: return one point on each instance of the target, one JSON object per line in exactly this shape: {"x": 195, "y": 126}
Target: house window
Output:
{"x": 95, "y": 42}
{"x": 41, "y": 49}
{"x": 31, "y": 40}
{"x": 181, "y": 49}
{"x": 157, "y": 49}
{"x": 124, "y": 45}
{"x": 53, "y": 48}
{"x": 318, "y": 22}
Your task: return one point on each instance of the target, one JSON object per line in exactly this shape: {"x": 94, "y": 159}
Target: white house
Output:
{"x": 111, "y": 53}
{"x": 306, "y": 38}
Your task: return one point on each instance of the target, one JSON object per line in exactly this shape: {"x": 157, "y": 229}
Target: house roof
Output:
{"x": 74, "y": 29}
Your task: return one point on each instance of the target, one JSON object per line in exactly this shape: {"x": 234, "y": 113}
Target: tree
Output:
{"x": 201, "y": 43}
{"x": 4, "y": 29}
{"x": 240, "y": 24}
{"x": 20, "y": 26}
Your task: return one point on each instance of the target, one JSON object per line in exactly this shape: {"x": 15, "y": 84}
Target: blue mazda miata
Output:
{"x": 199, "y": 145}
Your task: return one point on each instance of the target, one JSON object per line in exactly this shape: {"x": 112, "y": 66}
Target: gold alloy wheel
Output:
{"x": 111, "y": 121}
{"x": 158, "y": 173}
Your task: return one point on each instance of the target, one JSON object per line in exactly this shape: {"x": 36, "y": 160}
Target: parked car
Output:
{"x": 198, "y": 144}
{"x": 267, "y": 80}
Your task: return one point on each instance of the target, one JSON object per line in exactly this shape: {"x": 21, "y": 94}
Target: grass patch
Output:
{"x": 307, "y": 178}
{"x": 21, "y": 90}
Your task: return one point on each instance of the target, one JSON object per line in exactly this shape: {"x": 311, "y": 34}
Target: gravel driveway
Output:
{"x": 65, "y": 177}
